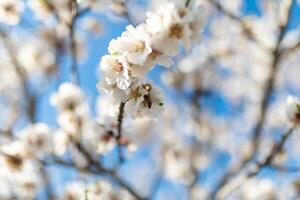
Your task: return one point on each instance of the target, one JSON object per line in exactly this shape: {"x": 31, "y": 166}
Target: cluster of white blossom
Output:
{"x": 139, "y": 49}
{"x": 72, "y": 108}
{"x": 77, "y": 125}
{"x": 19, "y": 161}
{"x": 101, "y": 190}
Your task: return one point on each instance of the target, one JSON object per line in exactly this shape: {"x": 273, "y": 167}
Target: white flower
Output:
{"x": 37, "y": 55}
{"x": 70, "y": 124}
{"x": 139, "y": 49}
{"x": 293, "y": 109}
{"x": 116, "y": 71}
{"x": 61, "y": 141}
{"x": 100, "y": 190}
{"x": 74, "y": 190}
{"x": 105, "y": 107}
{"x": 13, "y": 156}
{"x": 172, "y": 24}
{"x": 28, "y": 182}
{"x": 10, "y": 11}
{"x": 41, "y": 9}
{"x": 178, "y": 163}
{"x": 145, "y": 100}
{"x": 117, "y": 94}
{"x": 68, "y": 97}
{"x": 258, "y": 189}
{"x": 37, "y": 140}
{"x": 165, "y": 29}
{"x": 134, "y": 44}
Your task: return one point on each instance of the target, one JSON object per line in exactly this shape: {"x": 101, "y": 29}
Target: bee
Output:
{"x": 147, "y": 101}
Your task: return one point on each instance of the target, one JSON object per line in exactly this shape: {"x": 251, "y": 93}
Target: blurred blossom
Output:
{"x": 293, "y": 109}
{"x": 101, "y": 190}
{"x": 11, "y": 11}
{"x": 258, "y": 189}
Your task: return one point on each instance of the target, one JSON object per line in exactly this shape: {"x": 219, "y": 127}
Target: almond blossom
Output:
{"x": 138, "y": 49}
{"x": 293, "y": 109}
{"x": 10, "y": 11}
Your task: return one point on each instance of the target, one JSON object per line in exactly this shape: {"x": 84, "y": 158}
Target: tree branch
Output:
{"x": 96, "y": 169}
{"x": 277, "y": 54}
{"x": 30, "y": 107}
{"x": 277, "y": 149}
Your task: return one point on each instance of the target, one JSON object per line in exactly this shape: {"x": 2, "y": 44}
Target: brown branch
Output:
{"x": 277, "y": 149}
{"x": 30, "y": 107}
{"x": 119, "y": 130}
{"x": 97, "y": 169}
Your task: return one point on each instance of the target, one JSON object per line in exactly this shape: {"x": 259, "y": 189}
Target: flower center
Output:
{"x": 139, "y": 46}
{"x": 15, "y": 162}
{"x": 118, "y": 67}
{"x": 9, "y": 8}
{"x": 176, "y": 31}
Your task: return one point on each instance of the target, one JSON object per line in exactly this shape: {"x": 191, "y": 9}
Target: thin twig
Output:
{"x": 287, "y": 169}
{"x": 277, "y": 149}
{"x": 97, "y": 169}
